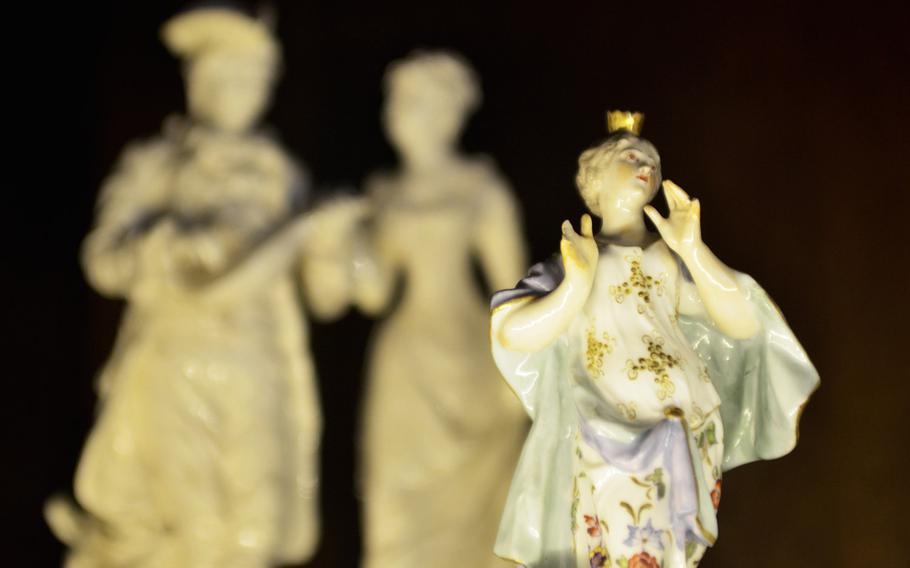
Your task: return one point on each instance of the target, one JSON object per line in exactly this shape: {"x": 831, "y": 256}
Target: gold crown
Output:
{"x": 624, "y": 120}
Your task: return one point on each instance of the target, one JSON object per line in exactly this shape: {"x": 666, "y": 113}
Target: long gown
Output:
{"x": 637, "y": 412}
{"x": 204, "y": 452}
{"x": 441, "y": 431}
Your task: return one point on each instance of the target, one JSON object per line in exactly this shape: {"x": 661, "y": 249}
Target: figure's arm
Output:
{"x": 252, "y": 242}
{"x": 260, "y": 266}
{"x": 537, "y": 321}
{"x": 132, "y": 202}
{"x": 375, "y": 261}
{"x": 723, "y": 299}
{"x": 326, "y": 263}
{"x": 498, "y": 239}
{"x": 375, "y": 267}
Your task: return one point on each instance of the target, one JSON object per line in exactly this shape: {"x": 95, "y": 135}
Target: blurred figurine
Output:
{"x": 648, "y": 367}
{"x": 204, "y": 453}
{"x": 441, "y": 432}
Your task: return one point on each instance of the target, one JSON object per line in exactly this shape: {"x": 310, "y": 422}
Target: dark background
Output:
{"x": 789, "y": 122}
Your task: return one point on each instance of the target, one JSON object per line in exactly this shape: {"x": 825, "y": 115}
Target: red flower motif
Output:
{"x": 715, "y": 495}
{"x": 593, "y": 525}
{"x": 643, "y": 560}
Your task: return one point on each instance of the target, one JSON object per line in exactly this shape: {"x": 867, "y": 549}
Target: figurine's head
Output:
{"x": 231, "y": 61}
{"x": 428, "y": 97}
{"x": 623, "y": 171}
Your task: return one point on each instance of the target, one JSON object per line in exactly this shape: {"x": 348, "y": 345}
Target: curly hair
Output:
{"x": 594, "y": 159}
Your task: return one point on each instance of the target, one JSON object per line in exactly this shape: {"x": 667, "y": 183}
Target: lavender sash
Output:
{"x": 669, "y": 445}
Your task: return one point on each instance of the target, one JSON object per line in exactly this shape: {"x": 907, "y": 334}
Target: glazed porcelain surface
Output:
{"x": 648, "y": 367}
{"x": 204, "y": 452}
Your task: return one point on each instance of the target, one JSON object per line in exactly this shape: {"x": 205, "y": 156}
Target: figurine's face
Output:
{"x": 229, "y": 90}
{"x": 422, "y": 122}
{"x": 627, "y": 177}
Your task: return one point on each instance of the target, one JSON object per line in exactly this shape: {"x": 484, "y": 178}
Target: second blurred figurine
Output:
{"x": 441, "y": 431}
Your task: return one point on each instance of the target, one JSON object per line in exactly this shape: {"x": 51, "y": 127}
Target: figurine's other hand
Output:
{"x": 579, "y": 251}
{"x": 682, "y": 230}
{"x": 205, "y": 252}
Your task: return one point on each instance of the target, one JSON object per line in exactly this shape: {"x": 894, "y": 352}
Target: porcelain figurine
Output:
{"x": 441, "y": 432}
{"x": 204, "y": 452}
{"x": 648, "y": 367}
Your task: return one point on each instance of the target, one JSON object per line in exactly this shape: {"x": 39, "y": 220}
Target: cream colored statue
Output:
{"x": 649, "y": 368}
{"x": 441, "y": 431}
{"x": 204, "y": 453}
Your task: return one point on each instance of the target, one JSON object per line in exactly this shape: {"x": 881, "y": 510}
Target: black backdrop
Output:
{"x": 788, "y": 121}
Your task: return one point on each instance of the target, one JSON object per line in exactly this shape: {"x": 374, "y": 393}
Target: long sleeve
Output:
{"x": 540, "y": 495}
{"x": 764, "y": 381}
{"x": 131, "y": 201}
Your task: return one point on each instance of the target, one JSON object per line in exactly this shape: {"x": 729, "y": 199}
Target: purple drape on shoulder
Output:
{"x": 542, "y": 278}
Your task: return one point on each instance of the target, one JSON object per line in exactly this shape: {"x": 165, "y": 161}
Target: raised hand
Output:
{"x": 534, "y": 324}
{"x": 682, "y": 230}
{"x": 579, "y": 251}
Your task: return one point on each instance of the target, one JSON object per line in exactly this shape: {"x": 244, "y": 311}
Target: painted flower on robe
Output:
{"x": 598, "y": 557}
{"x": 643, "y": 560}
{"x": 715, "y": 495}
{"x": 642, "y": 536}
{"x": 593, "y": 524}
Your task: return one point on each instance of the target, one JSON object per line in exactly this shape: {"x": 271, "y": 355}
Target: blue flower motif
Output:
{"x": 643, "y": 536}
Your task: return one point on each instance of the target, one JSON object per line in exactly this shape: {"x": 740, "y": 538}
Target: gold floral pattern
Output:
{"x": 638, "y": 283}
{"x": 629, "y": 410}
{"x": 658, "y": 363}
{"x": 596, "y": 349}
